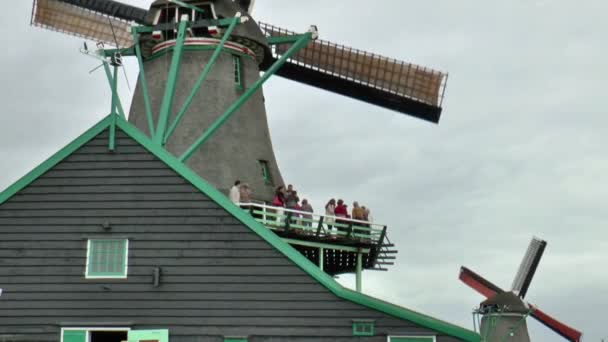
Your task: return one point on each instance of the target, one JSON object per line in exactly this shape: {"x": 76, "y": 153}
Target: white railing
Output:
{"x": 311, "y": 224}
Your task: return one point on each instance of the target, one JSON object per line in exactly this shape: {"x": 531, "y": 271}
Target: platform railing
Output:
{"x": 316, "y": 225}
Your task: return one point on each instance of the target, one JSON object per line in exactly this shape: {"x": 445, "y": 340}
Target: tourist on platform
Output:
{"x": 358, "y": 212}
{"x": 279, "y": 197}
{"x": 291, "y": 199}
{"x": 307, "y": 208}
{"x": 341, "y": 211}
{"x": 234, "y": 193}
{"x": 279, "y": 201}
{"x": 330, "y": 207}
{"x": 244, "y": 193}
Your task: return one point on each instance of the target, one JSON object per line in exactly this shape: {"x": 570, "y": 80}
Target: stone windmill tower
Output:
{"x": 199, "y": 94}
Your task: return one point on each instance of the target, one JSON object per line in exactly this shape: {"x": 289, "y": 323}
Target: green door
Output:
{"x": 148, "y": 336}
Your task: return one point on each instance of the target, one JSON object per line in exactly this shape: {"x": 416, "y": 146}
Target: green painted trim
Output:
{"x": 278, "y": 40}
{"x": 166, "y": 108}
{"x": 202, "y": 78}
{"x": 123, "y": 52}
{"x": 144, "y": 84}
{"x": 112, "y": 143}
{"x": 73, "y": 335}
{"x": 219, "y": 122}
{"x": 275, "y": 241}
{"x": 363, "y": 328}
{"x": 54, "y": 160}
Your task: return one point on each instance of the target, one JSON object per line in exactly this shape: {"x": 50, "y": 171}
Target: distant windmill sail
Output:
{"x": 86, "y": 22}
{"x": 394, "y": 80}
{"x": 528, "y": 266}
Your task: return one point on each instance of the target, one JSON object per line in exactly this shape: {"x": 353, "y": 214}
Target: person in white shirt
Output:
{"x": 235, "y": 194}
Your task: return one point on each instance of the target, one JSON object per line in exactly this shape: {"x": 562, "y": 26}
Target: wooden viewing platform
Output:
{"x": 336, "y": 244}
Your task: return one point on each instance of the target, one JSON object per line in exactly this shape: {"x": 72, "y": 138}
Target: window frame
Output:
{"x": 125, "y": 267}
{"x": 358, "y": 323}
{"x": 421, "y": 337}
{"x": 237, "y": 66}
{"x": 265, "y": 171}
{"x": 88, "y": 330}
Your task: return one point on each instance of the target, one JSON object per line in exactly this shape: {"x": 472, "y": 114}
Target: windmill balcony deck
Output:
{"x": 336, "y": 244}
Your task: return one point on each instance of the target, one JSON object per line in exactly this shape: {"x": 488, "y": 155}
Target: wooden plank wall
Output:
{"x": 218, "y": 278}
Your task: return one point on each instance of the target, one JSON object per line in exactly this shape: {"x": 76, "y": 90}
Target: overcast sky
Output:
{"x": 520, "y": 150}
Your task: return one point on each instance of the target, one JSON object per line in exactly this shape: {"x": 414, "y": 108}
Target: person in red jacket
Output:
{"x": 341, "y": 211}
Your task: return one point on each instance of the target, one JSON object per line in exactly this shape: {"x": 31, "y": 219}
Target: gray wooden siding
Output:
{"x": 218, "y": 278}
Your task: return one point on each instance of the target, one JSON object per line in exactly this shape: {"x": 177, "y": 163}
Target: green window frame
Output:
{"x": 412, "y": 339}
{"x": 107, "y": 258}
{"x": 265, "y": 171}
{"x": 363, "y": 328}
{"x": 235, "y": 339}
{"x": 238, "y": 72}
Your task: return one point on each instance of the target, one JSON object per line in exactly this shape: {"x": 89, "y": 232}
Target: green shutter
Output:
{"x": 235, "y": 339}
{"x": 107, "y": 258}
{"x": 74, "y": 336}
{"x": 413, "y": 339}
{"x": 161, "y": 335}
{"x": 265, "y": 171}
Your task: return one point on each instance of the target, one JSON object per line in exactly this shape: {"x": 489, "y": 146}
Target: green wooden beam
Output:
{"x": 202, "y": 78}
{"x": 116, "y": 105}
{"x": 112, "y": 143}
{"x": 359, "y": 270}
{"x": 278, "y": 40}
{"x": 321, "y": 258}
{"x": 302, "y": 42}
{"x": 167, "y": 105}
{"x": 144, "y": 84}
{"x": 123, "y": 52}
{"x": 326, "y": 246}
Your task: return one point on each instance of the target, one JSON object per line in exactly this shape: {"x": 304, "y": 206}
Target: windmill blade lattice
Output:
{"x": 528, "y": 266}
{"x": 87, "y": 19}
{"x": 387, "y": 82}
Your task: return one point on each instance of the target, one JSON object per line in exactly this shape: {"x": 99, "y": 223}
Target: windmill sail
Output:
{"x": 387, "y": 82}
{"x": 88, "y": 19}
{"x": 528, "y": 266}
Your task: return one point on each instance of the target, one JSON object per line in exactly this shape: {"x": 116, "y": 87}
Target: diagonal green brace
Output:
{"x": 144, "y": 83}
{"x": 202, "y": 78}
{"x": 301, "y": 43}
{"x": 167, "y": 104}
{"x": 116, "y": 105}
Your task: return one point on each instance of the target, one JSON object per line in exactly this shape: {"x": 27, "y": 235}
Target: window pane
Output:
{"x": 107, "y": 258}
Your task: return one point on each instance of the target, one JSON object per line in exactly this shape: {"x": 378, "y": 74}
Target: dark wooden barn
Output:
{"x": 102, "y": 246}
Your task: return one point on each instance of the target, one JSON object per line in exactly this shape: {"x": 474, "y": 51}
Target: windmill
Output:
{"x": 200, "y": 64}
{"x": 504, "y": 313}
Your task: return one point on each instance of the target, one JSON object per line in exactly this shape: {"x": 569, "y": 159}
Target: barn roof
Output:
{"x": 274, "y": 240}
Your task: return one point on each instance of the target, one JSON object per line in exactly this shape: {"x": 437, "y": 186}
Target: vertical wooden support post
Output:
{"x": 144, "y": 83}
{"x": 301, "y": 43}
{"x": 321, "y": 258}
{"x": 359, "y": 269}
{"x": 202, "y": 78}
{"x": 116, "y": 100}
{"x": 166, "y": 107}
{"x": 320, "y": 226}
{"x": 112, "y": 143}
